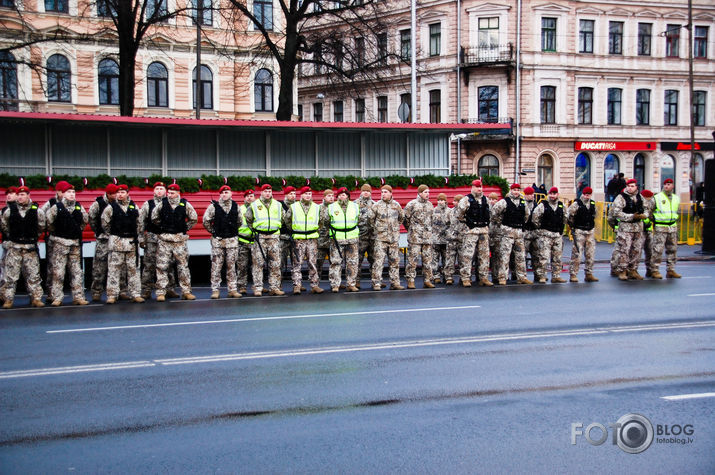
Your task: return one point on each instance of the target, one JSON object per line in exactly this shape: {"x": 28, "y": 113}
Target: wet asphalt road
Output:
{"x": 449, "y": 380}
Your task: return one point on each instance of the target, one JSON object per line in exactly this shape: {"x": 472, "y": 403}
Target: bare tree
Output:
{"x": 304, "y": 39}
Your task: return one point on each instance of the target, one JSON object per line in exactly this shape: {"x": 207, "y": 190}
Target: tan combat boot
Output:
{"x": 80, "y": 301}
{"x": 171, "y": 293}
{"x": 243, "y": 291}
{"x": 296, "y": 290}
{"x": 573, "y": 278}
{"x": 138, "y": 299}
{"x": 485, "y": 283}
{"x": 188, "y": 296}
{"x": 591, "y": 278}
{"x": 428, "y": 285}
{"x": 111, "y": 300}
{"x": 410, "y": 284}
{"x": 557, "y": 280}
{"x": 524, "y": 281}
{"x": 258, "y": 293}
{"x": 160, "y": 298}
{"x": 215, "y": 294}
{"x": 7, "y": 304}
{"x": 56, "y": 303}
{"x": 234, "y": 294}
{"x": 466, "y": 283}
{"x": 352, "y": 288}
{"x": 377, "y": 287}
{"x": 437, "y": 280}
{"x": 634, "y": 275}
{"x": 671, "y": 274}
{"x": 36, "y": 303}
{"x": 277, "y": 292}
{"x": 316, "y": 290}
{"x": 449, "y": 281}
{"x": 656, "y": 275}
{"x": 622, "y": 275}
{"x": 396, "y": 287}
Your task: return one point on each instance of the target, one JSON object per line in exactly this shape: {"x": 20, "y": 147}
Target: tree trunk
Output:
{"x": 287, "y": 65}
{"x": 127, "y": 64}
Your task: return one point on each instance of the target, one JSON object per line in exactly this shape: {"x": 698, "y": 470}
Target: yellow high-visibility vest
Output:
{"x": 305, "y": 225}
{"x": 344, "y": 224}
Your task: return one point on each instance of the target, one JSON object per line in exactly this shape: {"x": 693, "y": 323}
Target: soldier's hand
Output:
{"x": 142, "y": 245}
{"x": 639, "y": 216}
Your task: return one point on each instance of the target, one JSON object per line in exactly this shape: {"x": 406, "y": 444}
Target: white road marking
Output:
{"x": 255, "y": 319}
{"x": 697, "y": 277}
{"x": 681, "y": 397}
{"x": 701, "y": 295}
{"x": 393, "y": 345}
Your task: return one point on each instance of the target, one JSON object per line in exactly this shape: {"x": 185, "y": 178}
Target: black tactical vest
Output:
{"x": 173, "y": 221}
{"x": 97, "y": 224}
{"x": 530, "y": 226}
{"x": 225, "y": 224}
{"x": 514, "y": 215}
{"x": 585, "y": 217}
{"x": 23, "y": 230}
{"x": 631, "y": 207}
{"x": 124, "y": 224}
{"x": 553, "y": 220}
{"x": 477, "y": 215}
{"x": 69, "y": 225}
{"x": 149, "y": 226}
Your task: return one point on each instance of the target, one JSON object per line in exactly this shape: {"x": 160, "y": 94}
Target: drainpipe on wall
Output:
{"x": 459, "y": 83}
{"x": 413, "y": 48}
{"x": 517, "y": 132}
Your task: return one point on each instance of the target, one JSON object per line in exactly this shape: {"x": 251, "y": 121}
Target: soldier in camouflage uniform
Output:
{"x": 101, "y": 248}
{"x": 289, "y": 197}
{"x": 303, "y": 220}
{"x": 66, "y": 220}
{"x": 10, "y": 197}
{"x": 440, "y": 227}
{"x": 342, "y": 219}
{"x": 455, "y": 236}
{"x": 665, "y": 230}
{"x": 120, "y": 221}
{"x": 21, "y": 223}
{"x": 473, "y": 210}
{"x": 221, "y": 219}
{"x": 246, "y": 245}
{"x": 550, "y": 217}
{"x": 418, "y": 222}
{"x": 265, "y": 217}
{"x": 493, "y": 239}
{"x": 531, "y": 242}
{"x": 175, "y": 217}
{"x": 367, "y": 237}
{"x": 648, "y": 207}
{"x": 324, "y": 233}
{"x": 149, "y": 241}
{"x": 582, "y": 221}
{"x": 510, "y": 214}
{"x": 616, "y": 251}
{"x": 48, "y": 243}
{"x": 628, "y": 209}
{"x": 385, "y": 217}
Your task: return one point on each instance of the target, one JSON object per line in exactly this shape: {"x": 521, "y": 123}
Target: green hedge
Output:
{"x": 212, "y": 182}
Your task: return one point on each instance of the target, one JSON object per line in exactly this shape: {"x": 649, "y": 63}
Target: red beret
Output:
{"x": 668, "y": 180}
{"x": 111, "y": 189}
{"x": 123, "y": 187}
{"x": 288, "y": 189}
{"x": 60, "y": 185}
{"x": 159, "y": 183}
{"x": 174, "y": 186}
{"x": 587, "y": 191}
{"x": 528, "y": 190}
{"x": 267, "y": 186}
{"x": 632, "y": 180}
{"x": 224, "y": 188}
{"x": 515, "y": 186}
{"x": 477, "y": 183}
{"x": 11, "y": 189}
{"x": 305, "y": 189}
{"x": 553, "y": 189}
{"x": 343, "y": 190}
{"x": 247, "y": 192}
{"x": 647, "y": 194}
{"x": 64, "y": 187}
{"x": 21, "y": 189}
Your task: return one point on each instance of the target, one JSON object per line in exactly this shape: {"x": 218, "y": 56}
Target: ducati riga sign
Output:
{"x": 607, "y": 146}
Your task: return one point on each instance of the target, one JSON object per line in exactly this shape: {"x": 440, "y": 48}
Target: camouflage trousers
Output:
{"x": 48, "y": 263}
{"x": 123, "y": 264}
{"x": 391, "y": 250}
{"x": 550, "y": 249}
{"x": 349, "y": 251}
{"x": 305, "y": 249}
{"x": 5, "y": 250}
{"x": 531, "y": 246}
{"x": 99, "y": 266}
{"x": 272, "y": 249}
{"x": 243, "y": 262}
{"x": 365, "y": 249}
{"x": 470, "y": 244}
{"x": 219, "y": 255}
{"x": 439, "y": 259}
{"x": 668, "y": 242}
{"x": 648, "y": 250}
{"x": 149, "y": 272}
{"x": 512, "y": 239}
{"x": 630, "y": 246}
{"x": 494, "y": 239}
{"x": 453, "y": 257}
{"x": 615, "y": 255}
{"x": 320, "y": 261}
{"x": 167, "y": 252}
{"x": 286, "y": 252}
{"x": 414, "y": 251}
{"x": 63, "y": 258}
{"x": 584, "y": 243}
{"x": 27, "y": 262}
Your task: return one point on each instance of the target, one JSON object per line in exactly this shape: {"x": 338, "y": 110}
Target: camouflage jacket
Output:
{"x": 626, "y": 221}
{"x": 460, "y": 211}
{"x": 52, "y": 216}
{"x": 117, "y": 243}
{"x": 418, "y": 221}
{"x": 191, "y": 219}
{"x": 457, "y": 229}
{"x": 5, "y": 225}
{"x": 95, "y": 219}
{"x": 144, "y": 218}
{"x": 440, "y": 224}
{"x": 207, "y": 220}
{"x": 366, "y": 232}
{"x": 538, "y": 214}
{"x": 385, "y": 218}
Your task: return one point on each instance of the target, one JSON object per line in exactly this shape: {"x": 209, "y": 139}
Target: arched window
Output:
{"x": 667, "y": 168}
{"x": 611, "y": 167}
{"x": 582, "y": 173}
{"x": 207, "y": 87}
{"x": 545, "y": 171}
{"x": 108, "y": 82}
{"x": 157, "y": 80}
{"x": 8, "y": 82}
{"x": 59, "y": 79}
{"x": 263, "y": 91}
{"x": 488, "y": 165}
{"x": 639, "y": 170}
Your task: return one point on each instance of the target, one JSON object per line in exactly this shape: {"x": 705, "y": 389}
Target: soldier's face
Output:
{"x": 329, "y": 198}
{"x": 553, "y": 196}
{"x": 290, "y": 196}
{"x": 10, "y": 197}
{"x": 515, "y": 192}
{"x": 69, "y": 195}
{"x": 386, "y": 195}
{"x": 307, "y": 196}
{"x": 441, "y": 202}
{"x": 343, "y": 196}
{"x": 160, "y": 191}
{"x": 529, "y": 197}
{"x": 112, "y": 196}
{"x": 476, "y": 189}
{"x": 172, "y": 194}
{"x": 668, "y": 187}
{"x": 250, "y": 199}
{"x": 586, "y": 195}
{"x": 122, "y": 195}
{"x": 425, "y": 194}
{"x": 23, "y": 198}
{"x": 632, "y": 188}
{"x": 366, "y": 194}
{"x": 267, "y": 194}
{"x": 493, "y": 201}
{"x": 226, "y": 195}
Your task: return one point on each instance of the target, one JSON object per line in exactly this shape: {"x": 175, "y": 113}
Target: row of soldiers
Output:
{"x": 262, "y": 233}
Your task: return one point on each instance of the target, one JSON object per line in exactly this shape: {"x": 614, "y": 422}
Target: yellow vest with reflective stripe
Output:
{"x": 245, "y": 234}
{"x": 305, "y": 222}
{"x": 267, "y": 220}
{"x": 666, "y": 210}
{"x": 340, "y": 221}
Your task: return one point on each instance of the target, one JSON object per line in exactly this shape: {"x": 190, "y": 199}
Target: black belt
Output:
{"x": 267, "y": 232}
{"x": 668, "y": 223}
{"x": 306, "y": 232}
{"x": 346, "y": 230}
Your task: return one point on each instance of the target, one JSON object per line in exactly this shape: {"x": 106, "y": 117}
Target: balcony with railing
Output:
{"x": 487, "y": 55}
{"x": 503, "y": 133}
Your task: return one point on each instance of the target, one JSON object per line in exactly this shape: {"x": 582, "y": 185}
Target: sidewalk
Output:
{"x": 604, "y": 250}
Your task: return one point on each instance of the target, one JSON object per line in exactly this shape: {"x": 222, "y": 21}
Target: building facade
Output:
{"x": 586, "y": 89}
